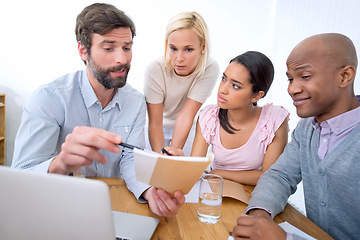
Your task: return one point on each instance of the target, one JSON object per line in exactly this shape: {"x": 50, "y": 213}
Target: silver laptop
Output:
{"x": 50, "y": 206}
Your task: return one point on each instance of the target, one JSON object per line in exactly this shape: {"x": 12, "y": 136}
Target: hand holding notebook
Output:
{"x": 170, "y": 173}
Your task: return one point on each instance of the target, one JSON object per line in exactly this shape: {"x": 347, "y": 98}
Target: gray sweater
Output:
{"x": 331, "y": 185}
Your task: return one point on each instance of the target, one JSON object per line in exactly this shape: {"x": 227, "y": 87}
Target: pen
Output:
{"x": 129, "y": 146}
{"x": 132, "y": 147}
{"x": 163, "y": 150}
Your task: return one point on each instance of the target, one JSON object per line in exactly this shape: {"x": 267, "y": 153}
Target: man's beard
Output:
{"x": 104, "y": 77}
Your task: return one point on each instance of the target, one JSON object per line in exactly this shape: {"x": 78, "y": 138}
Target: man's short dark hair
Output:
{"x": 100, "y": 18}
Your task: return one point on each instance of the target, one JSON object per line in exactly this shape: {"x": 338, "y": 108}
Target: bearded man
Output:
{"x": 77, "y": 121}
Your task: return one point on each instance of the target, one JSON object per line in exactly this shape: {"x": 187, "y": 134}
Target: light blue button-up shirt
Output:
{"x": 55, "y": 109}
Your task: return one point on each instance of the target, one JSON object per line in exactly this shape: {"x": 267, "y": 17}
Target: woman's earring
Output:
{"x": 202, "y": 51}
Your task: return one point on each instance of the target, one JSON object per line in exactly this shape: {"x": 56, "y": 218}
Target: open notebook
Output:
{"x": 49, "y": 206}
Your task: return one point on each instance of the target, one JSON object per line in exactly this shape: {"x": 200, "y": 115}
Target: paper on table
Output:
{"x": 235, "y": 190}
{"x": 170, "y": 173}
{"x": 230, "y": 189}
{"x": 290, "y": 229}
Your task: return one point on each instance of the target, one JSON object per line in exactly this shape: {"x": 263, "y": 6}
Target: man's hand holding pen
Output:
{"x": 81, "y": 148}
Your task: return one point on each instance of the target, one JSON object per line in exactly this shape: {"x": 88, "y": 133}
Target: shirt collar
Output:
{"x": 87, "y": 91}
{"x": 344, "y": 121}
{"x": 90, "y": 97}
{"x": 116, "y": 101}
{"x": 340, "y": 123}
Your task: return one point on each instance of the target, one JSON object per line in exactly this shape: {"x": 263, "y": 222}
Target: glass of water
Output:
{"x": 210, "y": 198}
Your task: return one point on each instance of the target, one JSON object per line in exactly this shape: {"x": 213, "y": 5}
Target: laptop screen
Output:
{"x": 51, "y": 206}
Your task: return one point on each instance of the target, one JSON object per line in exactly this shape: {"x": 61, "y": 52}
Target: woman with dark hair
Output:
{"x": 246, "y": 139}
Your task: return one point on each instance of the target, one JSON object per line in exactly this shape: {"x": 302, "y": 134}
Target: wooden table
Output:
{"x": 186, "y": 224}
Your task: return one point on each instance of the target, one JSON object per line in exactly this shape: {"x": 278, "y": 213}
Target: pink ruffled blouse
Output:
{"x": 250, "y": 156}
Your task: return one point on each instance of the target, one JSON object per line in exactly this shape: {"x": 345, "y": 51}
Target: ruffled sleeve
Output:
{"x": 208, "y": 120}
{"x": 272, "y": 118}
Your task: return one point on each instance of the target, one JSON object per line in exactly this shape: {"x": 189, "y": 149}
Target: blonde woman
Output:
{"x": 177, "y": 85}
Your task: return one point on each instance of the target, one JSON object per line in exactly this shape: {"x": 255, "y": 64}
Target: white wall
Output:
{"x": 37, "y": 42}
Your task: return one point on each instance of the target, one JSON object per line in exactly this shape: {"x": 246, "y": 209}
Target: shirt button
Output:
{"x": 323, "y": 203}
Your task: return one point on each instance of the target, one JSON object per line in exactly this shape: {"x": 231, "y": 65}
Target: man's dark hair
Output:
{"x": 100, "y": 18}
